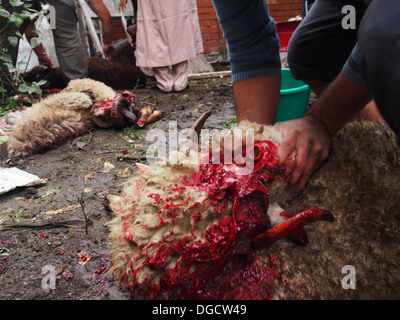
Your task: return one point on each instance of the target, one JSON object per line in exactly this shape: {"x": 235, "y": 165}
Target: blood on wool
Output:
{"x": 225, "y": 211}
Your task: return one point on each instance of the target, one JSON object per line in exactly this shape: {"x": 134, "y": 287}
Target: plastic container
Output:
{"x": 293, "y": 101}
{"x": 285, "y": 31}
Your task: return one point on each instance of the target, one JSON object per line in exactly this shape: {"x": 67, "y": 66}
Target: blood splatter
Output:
{"x": 225, "y": 241}
{"x": 4, "y": 264}
{"x": 221, "y": 263}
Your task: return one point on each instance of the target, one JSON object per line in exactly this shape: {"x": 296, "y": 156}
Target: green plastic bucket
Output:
{"x": 294, "y": 97}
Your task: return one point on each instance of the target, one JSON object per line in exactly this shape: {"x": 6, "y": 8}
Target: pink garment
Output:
{"x": 168, "y": 32}
{"x": 172, "y": 78}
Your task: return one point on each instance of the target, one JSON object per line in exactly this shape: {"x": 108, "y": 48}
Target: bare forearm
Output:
{"x": 340, "y": 103}
{"x": 107, "y": 30}
{"x": 257, "y": 99}
{"x": 30, "y": 34}
{"x": 40, "y": 51}
{"x": 102, "y": 12}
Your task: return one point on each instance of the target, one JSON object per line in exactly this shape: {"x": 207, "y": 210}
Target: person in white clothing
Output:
{"x": 167, "y": 36}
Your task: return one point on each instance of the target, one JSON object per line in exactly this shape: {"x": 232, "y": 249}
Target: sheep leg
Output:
{"x": 291, "y": 226}
{"x": 300, "y": 235}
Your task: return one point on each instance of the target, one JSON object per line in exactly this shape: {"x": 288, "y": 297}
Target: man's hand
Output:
{"x": 309, "y": 138}
{"x": 44, "y": 60}
{"x": 132, "y": 35}
{"x": 122, "y": 5}
{"x": 309, "y": 141}
{"x": 108, "y": 50}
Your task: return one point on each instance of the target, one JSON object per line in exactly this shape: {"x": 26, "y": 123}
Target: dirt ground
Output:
{"x": 35, "y": 239}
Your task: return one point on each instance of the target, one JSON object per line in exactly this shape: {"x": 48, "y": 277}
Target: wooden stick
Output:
{"x": 52, "y": 224}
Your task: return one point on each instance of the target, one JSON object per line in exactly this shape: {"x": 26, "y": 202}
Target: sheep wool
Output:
{"x": 179, "y": 224}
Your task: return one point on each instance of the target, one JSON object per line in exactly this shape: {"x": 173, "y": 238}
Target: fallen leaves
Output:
{"x": 126, "y": 173}
{"x": 62, "y": 210}
{"x": 90, "y": 176}
{"x": 84, "y": 257}
{"x": 64, "y": 272}
{"x": 108, "y": 166}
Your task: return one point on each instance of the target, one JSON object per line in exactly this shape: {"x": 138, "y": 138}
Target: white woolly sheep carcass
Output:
{"x": 179, "y": 225}
{"x": 72, "y": 112}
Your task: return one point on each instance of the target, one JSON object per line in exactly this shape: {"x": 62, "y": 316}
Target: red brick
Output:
{"x": 208, "y": 16}
{"x": 214, "y": 36}
{"x": 211, "y": 43}
{"x": 204, "y": 23}
{"x": 213, "y": 23}
{"x": 210, "y": 30}
{"x": 203, "y": 10}
{"x": 204, "y": 4}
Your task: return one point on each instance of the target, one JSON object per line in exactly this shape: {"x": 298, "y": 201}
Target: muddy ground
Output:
{"x": 79, "y": 175}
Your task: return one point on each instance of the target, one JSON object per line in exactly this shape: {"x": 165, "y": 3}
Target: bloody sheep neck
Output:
{"x": 227, "y": 240}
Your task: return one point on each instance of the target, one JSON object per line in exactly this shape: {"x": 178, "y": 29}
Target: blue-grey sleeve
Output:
{"x": 351, "y": 68}
{"x": 252, "y": 41}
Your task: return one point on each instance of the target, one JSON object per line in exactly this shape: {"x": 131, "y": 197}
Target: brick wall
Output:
{"x": 283, "y": 10}
{"x": 213, "y": 40}
{"x": 117, "y": 29}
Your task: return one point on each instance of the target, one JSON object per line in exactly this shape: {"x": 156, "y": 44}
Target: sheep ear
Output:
{"x": 194, "y": 131}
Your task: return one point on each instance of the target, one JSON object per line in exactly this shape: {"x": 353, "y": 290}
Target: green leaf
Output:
{"x": 36, "y": 88}
{"x": 13, "y": 41}
{"x": 4, "y": 139}
{"x": 35, "y": 42}
{"x": 6, "y": 57}
{"x": 10, "y": 66}
{"x": 2, "y": 90}
{"x": 4, "y": 13}
{"x": 17, "y": 19}
{"x": 25, "y": 14}
{"x": 12, "y": 104}
{"x": 23, "y": 88}
{"x": 42, "y": 82}
{"x": 16, "y": 3}
{"x": 22, "y": 63}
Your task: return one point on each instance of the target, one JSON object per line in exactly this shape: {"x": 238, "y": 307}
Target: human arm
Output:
{"x": 132, "y": 35}
{"x": 309, "y": 137}
{"x": 253, "y": 48}
{"x": 40, "y": 51}
{"x": 122, "y": 5}
{"x": 257, "y": 99}
{"x": 102, "y": 12}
